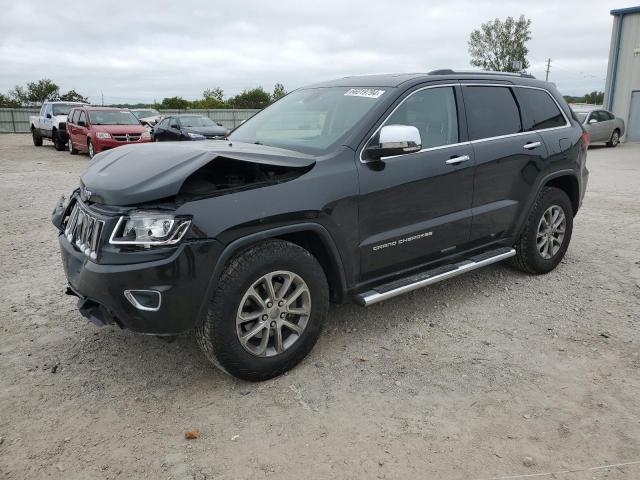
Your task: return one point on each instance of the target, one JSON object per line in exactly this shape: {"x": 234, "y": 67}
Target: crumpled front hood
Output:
{"x": 134, "y": 174}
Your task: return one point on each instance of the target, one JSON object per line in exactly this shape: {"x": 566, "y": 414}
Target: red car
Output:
{"x": 95, "y": 129}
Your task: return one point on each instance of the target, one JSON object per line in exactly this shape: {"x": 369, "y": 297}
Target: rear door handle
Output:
{"x": 457, "y": 160}
{"x": 531, "y": 145}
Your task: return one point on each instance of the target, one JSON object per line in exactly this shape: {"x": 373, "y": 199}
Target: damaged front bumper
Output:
{"x": 181, "y": 281}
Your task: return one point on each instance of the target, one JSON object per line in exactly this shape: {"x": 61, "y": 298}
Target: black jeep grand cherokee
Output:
{"x": 361, "y": 188}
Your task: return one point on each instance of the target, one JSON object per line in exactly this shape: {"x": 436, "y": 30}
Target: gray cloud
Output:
{"x": 138, "y": 52}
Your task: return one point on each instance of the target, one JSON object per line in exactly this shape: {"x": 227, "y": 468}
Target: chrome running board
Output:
{"x": 429, "y": 277}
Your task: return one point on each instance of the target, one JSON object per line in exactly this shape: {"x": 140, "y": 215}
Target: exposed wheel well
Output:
{"x": 568, "y": 184}
{"x": 313, "y": 243}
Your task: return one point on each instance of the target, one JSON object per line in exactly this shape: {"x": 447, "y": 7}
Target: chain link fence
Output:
{"x": 16, "y": 120}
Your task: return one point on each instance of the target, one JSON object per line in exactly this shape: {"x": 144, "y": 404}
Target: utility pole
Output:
{"x": 102, "y": 95}
{"x": 546, "y": 79}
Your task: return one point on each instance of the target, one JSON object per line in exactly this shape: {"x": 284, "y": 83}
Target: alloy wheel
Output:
{"x": 615, "y": 138}
{"x": 551, "y": 230}
{"x": 273, "y": 313}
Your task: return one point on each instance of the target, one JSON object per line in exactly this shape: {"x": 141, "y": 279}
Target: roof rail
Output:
{"x": 448, "y": 71}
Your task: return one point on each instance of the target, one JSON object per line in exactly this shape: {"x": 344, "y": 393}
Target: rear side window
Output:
{"x": 540, "y": 109}
{"x": 433, "y": 112}
{"x": 73, "y": 116}
{"x": 491, "y": 112}
{"x": 82, "y": 117}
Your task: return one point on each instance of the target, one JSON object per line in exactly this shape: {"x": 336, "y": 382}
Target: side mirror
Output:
{"x": 48, "y": 115}
{"x": 82, "y": 123}
{"x": 395, "y": 140}
{"x": 593, "y": 120}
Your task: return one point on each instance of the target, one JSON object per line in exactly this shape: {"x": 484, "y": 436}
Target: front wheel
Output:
{"x": 547, "y": 233}
{"x": 37, "y": 138}
{"x": 72, "y": 149}
{"x": 615, "y": 139}
{"x": 267, "y": 311}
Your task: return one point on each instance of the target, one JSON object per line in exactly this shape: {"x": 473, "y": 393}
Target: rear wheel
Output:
{"x": 267, "y": 311}
{"x": 547, "y": 233}
{"x": 91, "y": 149}
{"x": 37, "y": 138}
{"x": 615, "y": 139}
{"x": 57, "y": 141}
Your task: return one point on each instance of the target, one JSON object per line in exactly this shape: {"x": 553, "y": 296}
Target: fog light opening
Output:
{"x": 146, "y": 300}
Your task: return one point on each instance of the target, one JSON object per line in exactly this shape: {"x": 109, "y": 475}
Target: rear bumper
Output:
{"x": 182, "y": 280}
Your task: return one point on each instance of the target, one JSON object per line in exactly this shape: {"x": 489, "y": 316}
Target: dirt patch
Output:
{"x": 490, "y": 374}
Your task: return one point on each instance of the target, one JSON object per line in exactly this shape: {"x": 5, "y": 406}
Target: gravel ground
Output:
{"x": 495, "y": 374}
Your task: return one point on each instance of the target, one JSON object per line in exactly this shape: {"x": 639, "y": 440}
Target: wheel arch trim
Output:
{"x": 541, "y": 184}
{"x": 238, "y": 244}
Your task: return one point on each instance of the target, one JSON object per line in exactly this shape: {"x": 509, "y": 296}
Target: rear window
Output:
{"x": 491, "y": 112}
{"x": 540, "y": 109}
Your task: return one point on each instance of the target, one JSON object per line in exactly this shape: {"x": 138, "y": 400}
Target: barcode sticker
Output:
{"x": 363, "y": 92}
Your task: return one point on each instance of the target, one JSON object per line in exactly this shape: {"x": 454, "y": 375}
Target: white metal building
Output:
{"x": 622, "y": 89}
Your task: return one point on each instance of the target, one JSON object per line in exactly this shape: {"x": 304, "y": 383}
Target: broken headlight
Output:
{"x": 147, "y": 228}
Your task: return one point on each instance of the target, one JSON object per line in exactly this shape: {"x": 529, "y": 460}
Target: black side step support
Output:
{"x": 429, "y": 277}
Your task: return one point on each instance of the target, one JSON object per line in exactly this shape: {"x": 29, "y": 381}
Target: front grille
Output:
{"x": 83, "y": 231}
{"x": 126, "y": 137}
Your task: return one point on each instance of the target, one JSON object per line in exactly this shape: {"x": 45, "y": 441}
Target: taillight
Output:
{"x": 585, "y": 138}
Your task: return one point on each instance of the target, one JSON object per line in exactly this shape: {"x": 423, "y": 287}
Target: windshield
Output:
{"x": 62, "y": 108}
{"x": 145, "y": 113}
{"x": 112, "y": 117}
{"x": 196, "y": 122}
{"x": 309, "y": 120}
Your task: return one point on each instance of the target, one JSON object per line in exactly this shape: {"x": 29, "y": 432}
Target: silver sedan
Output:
{"x": 603, "y": 126}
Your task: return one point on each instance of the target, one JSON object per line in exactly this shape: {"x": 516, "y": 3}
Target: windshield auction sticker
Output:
{"x": 363, "y": 92}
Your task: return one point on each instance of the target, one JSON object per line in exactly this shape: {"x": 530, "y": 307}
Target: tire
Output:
{"x": 615, "y": 139}
{"x": 529, "y": 257}
{"x": 57, "y": 143}
{"x": 219, "y": 335}
{"x": 71, "y": 148}
{"x": 37, "y": 138}
{"x": 90, "y": 148}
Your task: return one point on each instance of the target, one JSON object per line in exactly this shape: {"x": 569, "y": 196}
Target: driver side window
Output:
{"x": 433, "y": 112}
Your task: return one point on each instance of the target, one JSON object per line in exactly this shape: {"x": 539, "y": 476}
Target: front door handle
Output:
{"x": 457, "y": 160}
{"x": 531, "y": 145}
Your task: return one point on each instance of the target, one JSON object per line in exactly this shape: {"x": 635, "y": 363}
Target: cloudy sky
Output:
{"x": 141, "y": 51}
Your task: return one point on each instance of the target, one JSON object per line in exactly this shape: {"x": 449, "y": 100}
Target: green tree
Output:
{"x": 174, "y": 103}
{"x": 595, "y": 97}
{"x": 6, "y": 101}
{"x": 18, "y": 95}
{"x": 42, "y": 90}
{"x": 212, "y": 98}
{"x": 73, "y": 96}
{"x": 278, "y": 92}
{"x": 254, "y": 98}
{"x": 501, "y": 45}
